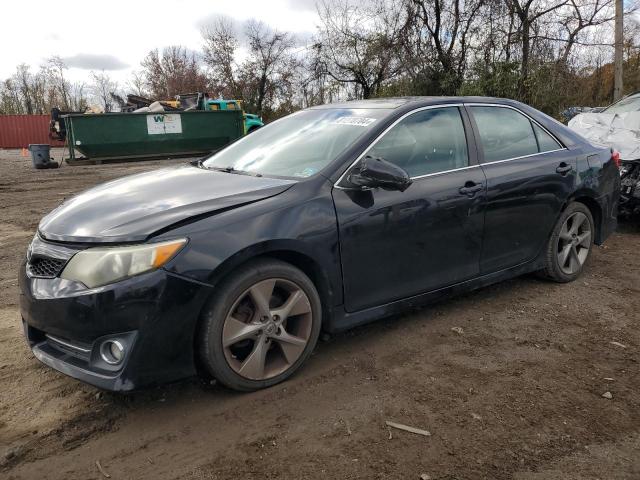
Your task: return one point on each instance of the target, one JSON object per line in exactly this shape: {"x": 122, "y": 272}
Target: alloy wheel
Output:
{"x": 574, "y": 242}
{"x": 267, "y": 329}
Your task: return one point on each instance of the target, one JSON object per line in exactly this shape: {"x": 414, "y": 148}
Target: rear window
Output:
{"x": 546, "y": 142}
{"x": 506, "y": 133}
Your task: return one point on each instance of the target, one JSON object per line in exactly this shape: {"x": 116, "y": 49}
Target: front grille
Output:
{"x": 45, "y": 267}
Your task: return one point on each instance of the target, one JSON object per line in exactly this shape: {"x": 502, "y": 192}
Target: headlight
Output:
{"x": 102, "y": 265}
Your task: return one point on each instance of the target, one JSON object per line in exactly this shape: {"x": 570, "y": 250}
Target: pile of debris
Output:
{"x": 182, "y": 103}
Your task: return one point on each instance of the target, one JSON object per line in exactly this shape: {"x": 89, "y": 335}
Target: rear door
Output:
{"x": 397, "y": 244}
{"x": 529, "y": 178}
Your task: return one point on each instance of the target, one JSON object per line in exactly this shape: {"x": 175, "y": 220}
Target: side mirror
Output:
{"x": 377, "y": 172}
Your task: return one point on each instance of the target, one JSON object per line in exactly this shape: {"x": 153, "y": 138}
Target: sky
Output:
{"x": 116, "y": 35}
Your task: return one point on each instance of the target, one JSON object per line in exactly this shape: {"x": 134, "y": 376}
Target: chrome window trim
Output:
{"x": 444, "y": 171}
{"x": 531, "y": 119}
{"x": 475, "y": 104}
{"x": 524, "y": 156}
{"x": 384, "y": 132}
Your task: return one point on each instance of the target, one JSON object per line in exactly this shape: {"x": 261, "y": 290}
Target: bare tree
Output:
{"x": 265, "y": 78}
{"x": 528, "y": 12}
{"x": 78, "y": 101}
{"x": 136, "y": 84}
{"x": 102, "y": 89}
{"x": 270, "y": 63}
{"x": 172, "y": 72}
{"x": 443, "y": 51}
{"x": 24, "y": 80}
{"x": 56, "y": 68}
{"x": 220, "y": 48}
{"x": 358, "y": 43}
{"x": 10, "y": 101}
{"x": 578, "y": 16}
{"x": 549, "y": 53}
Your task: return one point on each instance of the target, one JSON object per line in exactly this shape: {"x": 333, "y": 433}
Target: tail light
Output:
{"x": 615, "y": 156}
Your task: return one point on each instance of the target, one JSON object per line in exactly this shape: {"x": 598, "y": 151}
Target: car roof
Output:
{"x": 397, "y": 106}
{"x": 392, "y": 103}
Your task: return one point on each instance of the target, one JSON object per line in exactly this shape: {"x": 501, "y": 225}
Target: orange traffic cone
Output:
{"x": 25, "y": 153}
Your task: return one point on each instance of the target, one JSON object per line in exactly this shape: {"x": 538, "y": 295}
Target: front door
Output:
{"x": 397, "y": 244}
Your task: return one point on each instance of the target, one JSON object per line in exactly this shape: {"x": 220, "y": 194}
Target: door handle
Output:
{"x": 563, "y": 168}
{"x": 470, "y": 188}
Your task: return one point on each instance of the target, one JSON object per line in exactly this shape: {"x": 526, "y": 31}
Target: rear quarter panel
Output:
{"x": 598, "y": 178}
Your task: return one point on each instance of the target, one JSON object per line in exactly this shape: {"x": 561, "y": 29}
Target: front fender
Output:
{"x": 217, "y": 245}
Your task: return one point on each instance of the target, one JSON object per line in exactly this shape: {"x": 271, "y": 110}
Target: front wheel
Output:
{"x": 261, "y": 325}
{"x": 570, "y": 244}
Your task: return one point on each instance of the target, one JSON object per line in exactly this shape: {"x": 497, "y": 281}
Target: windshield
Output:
{"x": 627, "y": 104}
{"x": 298, "y": 145}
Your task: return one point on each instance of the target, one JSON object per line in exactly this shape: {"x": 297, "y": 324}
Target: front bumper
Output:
{"x": 154, "y": 315}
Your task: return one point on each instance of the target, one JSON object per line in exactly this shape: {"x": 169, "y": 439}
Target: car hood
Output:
{"x": 132, "y": 208}
{"x": 616, "y": 130}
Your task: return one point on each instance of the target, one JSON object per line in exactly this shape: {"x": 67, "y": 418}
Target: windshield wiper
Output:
{"x": 231, "y": 169}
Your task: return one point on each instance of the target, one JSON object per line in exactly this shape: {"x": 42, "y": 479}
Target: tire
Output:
{"x": 236, "y": 336}
{"x": 573, "y": 246}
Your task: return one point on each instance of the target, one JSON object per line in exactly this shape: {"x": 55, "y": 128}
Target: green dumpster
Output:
{"x": 150, "y": 135}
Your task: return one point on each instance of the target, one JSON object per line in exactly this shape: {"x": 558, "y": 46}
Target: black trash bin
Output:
{"x": 40, "y": 156}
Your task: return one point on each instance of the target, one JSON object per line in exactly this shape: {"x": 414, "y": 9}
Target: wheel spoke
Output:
{"x": 564, "y": 255}
{"x": 296, "y": 304}
{"x": 576, "y": 222}
{"x": 261, "y": 294}
{"x": 291, "y": 346}
{"x": 584, "y": 239}
{"x": 564, "y": 232}
{"x": 574, "y": 263}
{"x": 235, "y": 330}
{"x": 253, "y": 365}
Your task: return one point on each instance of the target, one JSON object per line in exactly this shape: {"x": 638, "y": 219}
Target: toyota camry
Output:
{"x": 331, "y": 217}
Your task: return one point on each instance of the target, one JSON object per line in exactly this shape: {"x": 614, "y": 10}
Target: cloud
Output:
{"x": 91, "y": 61}
{"x": 237, "y": 26}
{"x": 303, "y": 5}
{"x": 210, "y": 20}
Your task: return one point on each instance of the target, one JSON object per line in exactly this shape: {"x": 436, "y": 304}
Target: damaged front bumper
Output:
{"x": 150, "y": 317}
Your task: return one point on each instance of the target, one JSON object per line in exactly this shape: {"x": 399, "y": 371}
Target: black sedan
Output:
{"x": 331, "y": 217}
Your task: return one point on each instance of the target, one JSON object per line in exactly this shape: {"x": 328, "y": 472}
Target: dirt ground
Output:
{"x": 518, "y": 394}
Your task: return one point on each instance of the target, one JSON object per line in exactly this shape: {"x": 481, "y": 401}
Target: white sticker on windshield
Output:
{"x": 357, "y": 121}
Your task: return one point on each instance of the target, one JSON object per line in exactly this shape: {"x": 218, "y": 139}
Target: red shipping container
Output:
{"x": 18, "y": 131}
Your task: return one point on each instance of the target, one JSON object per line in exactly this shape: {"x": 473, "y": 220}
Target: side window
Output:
{"x": 546, "y": 142}
{"x": 426, "y": 142}
{"x": 504, "y": 133}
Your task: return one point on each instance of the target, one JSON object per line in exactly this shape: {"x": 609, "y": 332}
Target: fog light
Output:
{"x": 112, "y": 352}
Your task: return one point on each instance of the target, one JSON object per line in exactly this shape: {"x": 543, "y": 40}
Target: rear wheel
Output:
{"x": 261, "y": 325}
{"x": 570, "y": 244}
